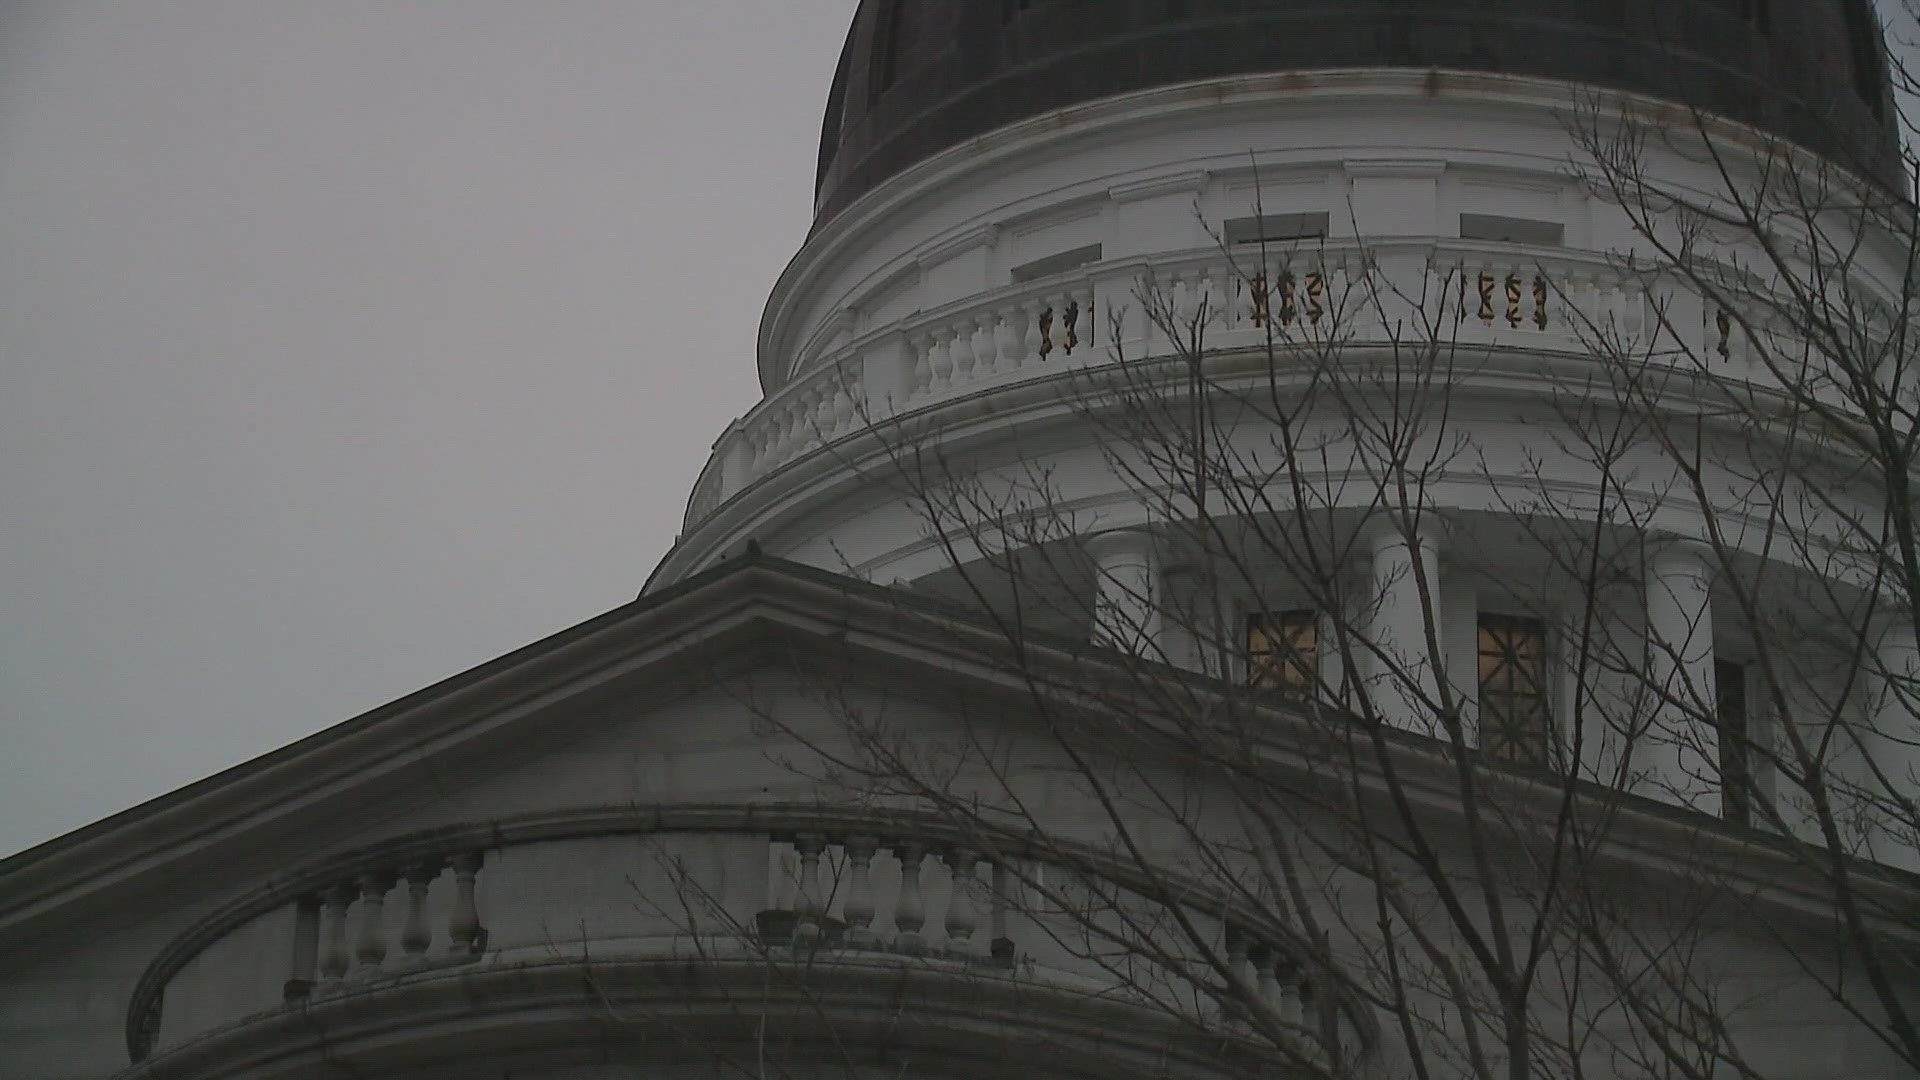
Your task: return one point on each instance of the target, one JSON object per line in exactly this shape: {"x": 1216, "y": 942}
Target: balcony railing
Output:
{"x": 680, "y": 883}
{"x": 1465, "y": 294}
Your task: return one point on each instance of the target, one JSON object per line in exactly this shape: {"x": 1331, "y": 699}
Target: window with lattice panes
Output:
{"x": 1281, "y": 650}
{"x": 1516, "y": 716}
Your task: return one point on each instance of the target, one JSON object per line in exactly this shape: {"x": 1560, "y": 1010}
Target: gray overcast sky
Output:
{"x": 346, "y": 345}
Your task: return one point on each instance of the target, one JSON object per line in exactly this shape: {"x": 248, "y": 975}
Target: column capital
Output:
{"x": 1383, "y": 532}
{"x": 1115, "y": 545}
{"x": 1673, "y": 549}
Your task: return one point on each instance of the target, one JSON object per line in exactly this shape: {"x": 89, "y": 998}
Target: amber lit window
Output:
{"x": 1515, "y": 721}
{"x": 1736, "y": 757}
{"x": 1281, "y": 649}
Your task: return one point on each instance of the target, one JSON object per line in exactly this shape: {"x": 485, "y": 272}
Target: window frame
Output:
{"x": 1532, "y": 743}
{"x": 1294, "y": 667}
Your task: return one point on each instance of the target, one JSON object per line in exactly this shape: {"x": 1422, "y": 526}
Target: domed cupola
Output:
{"x": 919, "y": 76}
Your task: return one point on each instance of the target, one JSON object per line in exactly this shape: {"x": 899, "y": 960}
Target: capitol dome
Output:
{"x": 920, "y": 76}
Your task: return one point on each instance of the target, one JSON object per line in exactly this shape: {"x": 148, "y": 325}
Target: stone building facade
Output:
{"x": 635, "y": 845}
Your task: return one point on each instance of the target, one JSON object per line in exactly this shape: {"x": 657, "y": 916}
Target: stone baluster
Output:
{"x": 919, "y": 374}
{"x": 1080, "y": 300}
{"x": 960, "y": 353}
{"x": 1007, "y": 341}
{"x": 804, "y": 424}
{"x": 821, "y": 409}
{"x": 336, "y": 956}
{"x": 772, "y": 432}
{"x": 966, "y": 353}
{"x": 415, "y": 935}
{"x": 777, "y": 436}
{"x": 852, "y": 392}
{"x": 939, "y": 363}
{"x": 833, "y": 418}
{"x": 963, "y": 912}
{"x": 808, "y": 906}
{"x": 986, "y": 350}
{"x": 1284, "y": 975}
{"x": 1030, "y": 331}
{"x": 306, "y": 949}
{"x": 797, "y": 424}
{"x": 1237, "y": 973}
{"x": 1178, "y": 298}
{"x": 860, "y": 900}
{"x": 806, "y": 420}
{"x": 1309, "y": 998}
{"x": 761, "y": 436}
{"x": 1223, "y": 291}
{"x": 371, "y": 948}
{"x": 1001, "y": 945}
{"x": 910, "y": 911}
{"x": 1261, "y": 958}
{"x": 465, "y": 937}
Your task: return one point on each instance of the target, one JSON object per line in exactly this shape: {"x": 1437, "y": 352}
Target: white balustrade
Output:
{"x": 861, "y": 893}
{"x": 1568, "y": 303}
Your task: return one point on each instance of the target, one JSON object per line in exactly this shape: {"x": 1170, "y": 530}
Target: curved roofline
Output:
{"x": 989, "y": 150}
{"x": 920, "y": 76}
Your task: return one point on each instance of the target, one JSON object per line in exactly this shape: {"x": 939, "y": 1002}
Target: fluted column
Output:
{"x": 1403, "y": 677}
{"x": 1677, "y": 756}
{"x": 1127, "y": 584}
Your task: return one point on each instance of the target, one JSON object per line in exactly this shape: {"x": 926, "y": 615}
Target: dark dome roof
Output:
{"x": 919, "y": 76}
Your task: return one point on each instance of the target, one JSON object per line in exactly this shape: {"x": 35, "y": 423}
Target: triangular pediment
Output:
{"x": 662, "y": 700}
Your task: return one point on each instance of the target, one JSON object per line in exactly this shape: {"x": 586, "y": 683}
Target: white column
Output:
{"x": 1678, "y": 753}
{"x": 1127, "y": 584}
{"x": 1894, "y": 743}
{"x": 1403, "y": 674}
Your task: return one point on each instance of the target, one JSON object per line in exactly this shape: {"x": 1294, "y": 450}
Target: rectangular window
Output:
{"x": 1511, "y": 230}
{"x": 1276, "y": 228}
{"x": 1516, "y": 722}
{"x": 1281, "y": 650}
{"x": 1736, "y": 756}
{"x": 1057, "y": 264}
